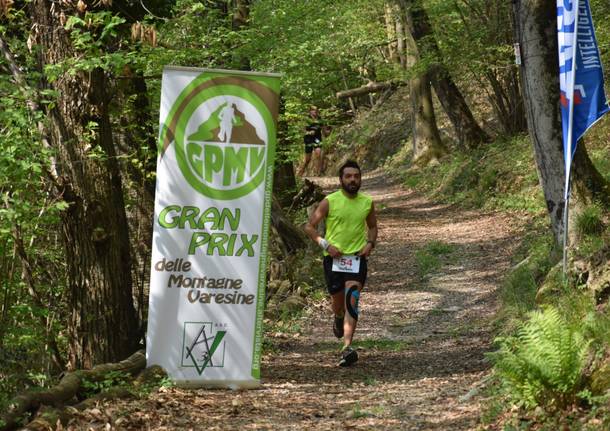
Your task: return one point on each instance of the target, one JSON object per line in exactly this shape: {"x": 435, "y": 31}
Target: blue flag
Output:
{"x": 581, "y": 78}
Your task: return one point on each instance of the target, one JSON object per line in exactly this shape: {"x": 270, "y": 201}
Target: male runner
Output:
{"x": 315, "y": 130}
{"x": 346, "y": 246}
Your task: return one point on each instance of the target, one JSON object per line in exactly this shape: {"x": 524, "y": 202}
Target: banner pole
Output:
{"x": 565, "y": 236}
{"x": 568, "y": 155}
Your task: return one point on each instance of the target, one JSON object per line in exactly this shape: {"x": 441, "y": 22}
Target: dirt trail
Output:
{"x": 423, "y": 339}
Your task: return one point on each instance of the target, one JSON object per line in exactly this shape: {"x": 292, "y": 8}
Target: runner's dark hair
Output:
{"x": 348, "y": 164}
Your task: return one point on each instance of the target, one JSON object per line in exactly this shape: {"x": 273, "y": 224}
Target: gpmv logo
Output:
{"x": 222, "y": 127}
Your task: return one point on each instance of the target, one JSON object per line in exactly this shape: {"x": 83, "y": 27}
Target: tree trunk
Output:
{"x": 401, "y": 38}
{"x": 507, "y": 101}
{"x": 390, "y": 29}
{"x": 427, "y": 144}
{"x": 588, "y": 187}
{"x": 587, "y": 181}
{"x": 539, "y": 72}
{"x": 468, "y": 131}
{"x": 136, "y": 141}
{"x": 535, "y": 23}
{"x": 102, "y": 322}
{"x": 240, "y": 18}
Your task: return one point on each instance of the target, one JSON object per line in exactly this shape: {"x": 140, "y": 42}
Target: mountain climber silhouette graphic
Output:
{"x": 229, "y": 125}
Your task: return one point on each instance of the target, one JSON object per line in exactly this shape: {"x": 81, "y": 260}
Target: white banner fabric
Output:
{"x": 212, "y": 212}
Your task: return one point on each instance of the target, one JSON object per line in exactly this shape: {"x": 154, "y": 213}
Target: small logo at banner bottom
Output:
{"x": 203, "y": 345}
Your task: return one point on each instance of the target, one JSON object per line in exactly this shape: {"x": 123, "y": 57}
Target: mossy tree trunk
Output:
{"x": 102, "y": 323}
{"x": 535, "y": 23}
{"x": 468, "y": 131}
{"x": 427, "y": 143}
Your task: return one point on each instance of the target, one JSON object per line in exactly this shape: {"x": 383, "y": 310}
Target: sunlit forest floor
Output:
{"x": 426, "y": 323}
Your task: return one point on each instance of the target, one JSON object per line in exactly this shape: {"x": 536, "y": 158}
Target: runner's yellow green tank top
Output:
{"x": 346, "y": 221}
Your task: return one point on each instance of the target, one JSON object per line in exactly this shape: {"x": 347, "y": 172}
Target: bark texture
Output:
{"x": 468, "y": 131}
{"x": 427, "y": 144}
{"x": 136, "y": 142}
{"x": 102, "y": 321}
{"x": 535, "y": 23}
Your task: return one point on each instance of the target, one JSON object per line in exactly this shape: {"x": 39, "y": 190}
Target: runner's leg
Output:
{"x": 338, "y": 303}
{"x": 320, "y": 153}
{"x": 319, "y": 162}
{"x": 351, "y": 297}
{"x": 305, "y": 164}
{"x": 336, "y": 289}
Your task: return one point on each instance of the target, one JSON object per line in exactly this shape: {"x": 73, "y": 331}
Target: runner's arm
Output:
{"x": 371, "y": 223}
{"x": 316, "y": 217}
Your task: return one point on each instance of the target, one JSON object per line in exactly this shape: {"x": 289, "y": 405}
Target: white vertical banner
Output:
{"x": 211, "y": 223}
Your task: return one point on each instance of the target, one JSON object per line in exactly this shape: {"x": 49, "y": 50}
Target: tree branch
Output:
{"x": 371, "y": 87}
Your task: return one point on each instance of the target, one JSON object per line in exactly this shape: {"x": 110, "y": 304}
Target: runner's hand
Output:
{"x": 366, "y": 251}
{"x": 334, "y": 252}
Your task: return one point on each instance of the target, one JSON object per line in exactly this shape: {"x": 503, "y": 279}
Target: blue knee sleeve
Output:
{"x": 352, "y": 309}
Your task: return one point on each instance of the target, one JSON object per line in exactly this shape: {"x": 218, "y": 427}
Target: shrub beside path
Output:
{"x": 422, "y": 338}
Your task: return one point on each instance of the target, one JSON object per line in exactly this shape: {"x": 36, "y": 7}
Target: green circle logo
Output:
{"x": 221, "y": 133}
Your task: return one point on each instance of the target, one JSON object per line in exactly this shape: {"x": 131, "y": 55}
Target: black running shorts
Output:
{"x": 335, "y": 281}
{"x": 312, "y": 145}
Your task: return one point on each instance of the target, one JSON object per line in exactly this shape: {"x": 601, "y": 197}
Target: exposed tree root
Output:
{"x": 71, "y": 385}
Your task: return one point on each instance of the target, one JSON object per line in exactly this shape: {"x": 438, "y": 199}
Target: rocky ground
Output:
{"x": 422, "y": 339}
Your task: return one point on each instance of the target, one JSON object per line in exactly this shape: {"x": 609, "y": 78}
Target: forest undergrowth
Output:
{"x": 552, "y": 349}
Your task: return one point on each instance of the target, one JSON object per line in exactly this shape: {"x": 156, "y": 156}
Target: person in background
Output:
{"x": 315, "y": 130}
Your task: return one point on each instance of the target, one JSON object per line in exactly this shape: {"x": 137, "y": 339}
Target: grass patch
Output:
{"x": 501, "y": 175}
{"x": 429, "y": 258}
{"x": 592, "y": 231}
{"x": 590, "y": 221}
{"x": 369, "y": 381}
{"x": 518, "y": 291}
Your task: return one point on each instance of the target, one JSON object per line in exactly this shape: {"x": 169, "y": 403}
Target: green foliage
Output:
{"x": 30, "y": 210}
{"x": 320, "y": 47}
{"x": 357, "y": 412}
{"x": 429, "y": 258}
{"x": 542, "y": 365}
{"x": 110, "y": 380}
{"x": 518, "y": 291}
{"x": 593, "y": 234}
{"x": 500, "y": 175}
{"x": 590, "y": 221}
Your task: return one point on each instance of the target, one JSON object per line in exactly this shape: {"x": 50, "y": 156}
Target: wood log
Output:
{"x": 70, "y": 385}
{"x": 371, "y": 87}
{"x": 309, "y": 194}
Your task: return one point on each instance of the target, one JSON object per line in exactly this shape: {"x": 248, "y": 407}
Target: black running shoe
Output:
{"x": 338, "y": 327}
{"x": 348, "y": 357}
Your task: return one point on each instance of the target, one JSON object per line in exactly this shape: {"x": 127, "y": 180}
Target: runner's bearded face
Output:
{"x": 350, "y": 180}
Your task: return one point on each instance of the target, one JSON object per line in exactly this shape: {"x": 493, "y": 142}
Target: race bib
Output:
{"x": 349, "y": 263}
